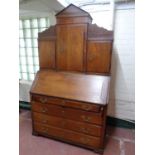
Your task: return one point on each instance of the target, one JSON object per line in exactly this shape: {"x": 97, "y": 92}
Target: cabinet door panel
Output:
{"x": 70, "y": 47}
{"x": 98, "y": 57}
{"x": 47, "y": 54}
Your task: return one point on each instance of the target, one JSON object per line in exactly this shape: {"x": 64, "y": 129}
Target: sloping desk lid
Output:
{"x": 75, "y": 86}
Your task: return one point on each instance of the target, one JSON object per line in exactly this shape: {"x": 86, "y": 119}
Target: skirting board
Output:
{"x": 110, "y": 120}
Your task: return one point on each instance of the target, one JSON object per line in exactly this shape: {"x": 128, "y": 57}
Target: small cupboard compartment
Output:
{"x": 98, "y": 56}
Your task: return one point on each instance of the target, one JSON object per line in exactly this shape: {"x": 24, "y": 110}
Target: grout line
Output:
{"x": 122, "y": 150}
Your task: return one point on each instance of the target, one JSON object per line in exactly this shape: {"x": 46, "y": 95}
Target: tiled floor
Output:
{"x": 119, "y": 141}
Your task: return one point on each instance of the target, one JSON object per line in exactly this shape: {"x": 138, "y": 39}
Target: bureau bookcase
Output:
{"x": 69, "y": 95}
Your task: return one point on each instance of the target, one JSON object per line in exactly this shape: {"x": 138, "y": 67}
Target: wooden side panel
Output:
{"x": 70, "y": 48}
{"x": 99, "y": 57}
{"x": 47, "y": 54}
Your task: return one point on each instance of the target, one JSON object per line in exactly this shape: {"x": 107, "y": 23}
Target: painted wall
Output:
{"x": 122, "y": 96}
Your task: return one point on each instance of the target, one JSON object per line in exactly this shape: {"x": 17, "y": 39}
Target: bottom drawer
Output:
{"x": 67, "y": 135}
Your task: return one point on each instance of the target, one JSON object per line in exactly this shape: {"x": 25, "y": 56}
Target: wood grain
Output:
{"x": 46, "y": 54}
{"x": 60, "y": 122}
{"x": 70, "y": 92}
{"x": 80, "y": 87}
{"x": 99, "y": 57}
{"x": 70, "y": 47}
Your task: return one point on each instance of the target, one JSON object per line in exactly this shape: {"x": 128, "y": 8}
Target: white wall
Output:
{"x": 122, "y": 96}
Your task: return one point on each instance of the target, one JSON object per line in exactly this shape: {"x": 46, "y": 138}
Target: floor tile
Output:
{"x": 112, "y": 146}
{"x": 117, "y": 139}
{"x": 129, "y": 148}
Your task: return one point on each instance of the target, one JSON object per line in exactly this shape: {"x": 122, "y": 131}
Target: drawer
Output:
{"x": 86, "y": 128}
{"x": 68, "y": 113}
{"x": 67, "y": 135}
{"x": 67, "y": 103}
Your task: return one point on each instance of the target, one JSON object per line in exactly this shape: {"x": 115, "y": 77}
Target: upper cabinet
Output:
{"x": 74, "y": 44}
{"x": 70, "y": 47}
{"x": 99, "y": 50}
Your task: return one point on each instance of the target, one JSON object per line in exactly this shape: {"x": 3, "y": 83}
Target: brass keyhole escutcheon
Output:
{"x": 86, "y": 118}
{"x": 44, "y": 121}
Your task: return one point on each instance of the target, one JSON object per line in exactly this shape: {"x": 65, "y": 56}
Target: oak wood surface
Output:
{"x": 80, "y": 87}
{"x": 68, "y": 134}
{"x": 82, "y": 127}
{"x": 65, "y": 103}
{"x": 68, "y": 113}
{"x": 70, "y": 47}
{"x": 99, "y": 57}
{"x": 46, "y": 54}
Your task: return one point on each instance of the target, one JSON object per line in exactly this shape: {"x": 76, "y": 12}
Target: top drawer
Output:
{"x": 66, "y": 103}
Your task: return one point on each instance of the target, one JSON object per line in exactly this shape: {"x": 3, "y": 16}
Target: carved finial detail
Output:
{"x": 99, "y": 33}
{"x": 48, "y": 33}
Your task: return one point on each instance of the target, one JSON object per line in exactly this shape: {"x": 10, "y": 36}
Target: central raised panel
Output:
{"x": 70, "y": 47}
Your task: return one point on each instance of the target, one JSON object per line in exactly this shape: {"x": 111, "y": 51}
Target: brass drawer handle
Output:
{"x": 44, "y": 110}
{"x": 86, "y": 107}
{"x": 85, "y": 140}
{"x": 84, "y": 130}
{"x": 86, "y": 118}
{"x": 44, "y": 121}
{"x": 43, "y": 100}
{"x": 44, "y": 129}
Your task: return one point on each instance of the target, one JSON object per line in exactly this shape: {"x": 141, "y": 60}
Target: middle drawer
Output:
{"x": 69, "y": 113}
{"x": 86, "y": 128}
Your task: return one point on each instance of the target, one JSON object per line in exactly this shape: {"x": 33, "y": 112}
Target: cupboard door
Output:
{"x": 47, "y": 54}
{"x": 98, "y": 57}
{"x": 70, "y": 47}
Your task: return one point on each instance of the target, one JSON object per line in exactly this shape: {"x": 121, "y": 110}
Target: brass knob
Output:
{"x": 86, "y": 118}
{"x": 84, "y": 130}
{"x": 43, "y": 100}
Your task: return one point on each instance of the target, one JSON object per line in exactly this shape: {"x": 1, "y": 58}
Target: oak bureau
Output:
{"x": 69, "y": 95}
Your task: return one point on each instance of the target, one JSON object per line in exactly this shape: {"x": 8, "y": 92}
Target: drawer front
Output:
{"x": 66, "y": 103}
{"x": 86, "y": 128}
{"x": 68, "y": 113}
{"x": 67, "y": 135}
